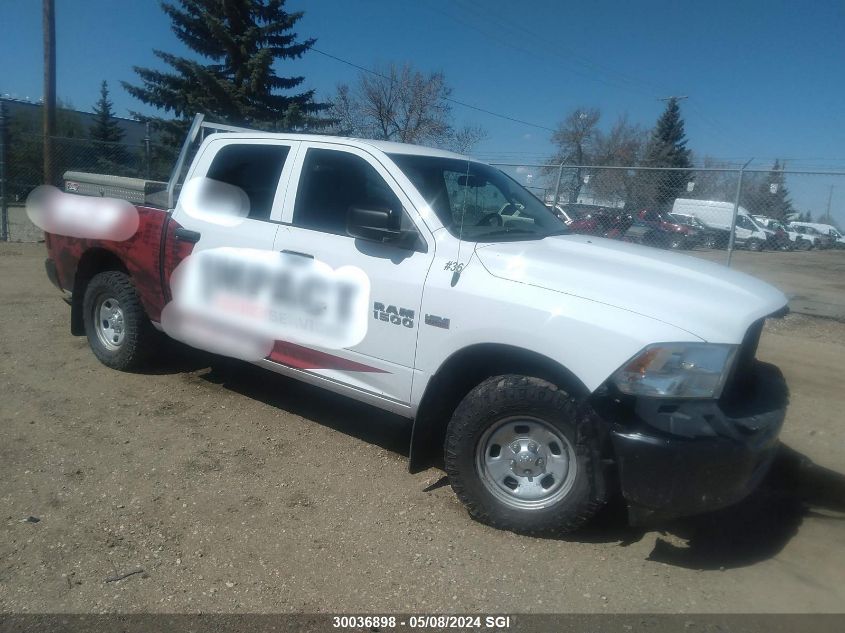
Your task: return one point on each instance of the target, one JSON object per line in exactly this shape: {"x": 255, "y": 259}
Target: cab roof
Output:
{"x": 388, "y": 147}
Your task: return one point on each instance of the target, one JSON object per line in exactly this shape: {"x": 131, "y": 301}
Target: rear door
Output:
{"x": 329, "y": 179}
{"x": 212, "y": 212}
{"x": 232, "y": 197}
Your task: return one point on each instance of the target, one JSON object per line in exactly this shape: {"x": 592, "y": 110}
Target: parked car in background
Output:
{"x": 579, "y": 218}
{"x": 816, "y": 239}
{"x": 710, "y": 237}
{"x": 645, "y": 233}
{"x": 826, "y": 230}
{"x": 719, "y": 214}
{"x": 589, "y": 219}
{"x": 779, "y": 239}
{"x": 618, "y": 224}
{"x": 680, "y": 234}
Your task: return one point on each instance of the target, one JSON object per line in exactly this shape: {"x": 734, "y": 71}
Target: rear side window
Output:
{"x": 254, "y": 168}
{"x": 331, "y": 182}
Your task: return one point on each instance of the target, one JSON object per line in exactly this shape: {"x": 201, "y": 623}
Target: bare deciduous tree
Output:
{"x": 402, "y": 104}
{"x": 576, "y": 140}
{"x": 464, "y": 139}
{"x": 623, "y": 145}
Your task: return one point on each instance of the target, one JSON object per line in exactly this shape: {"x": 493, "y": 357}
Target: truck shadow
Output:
{"x": 760, "y": 526}
{"x": 389, "y": 431}
{"x": 173, "y": 357}
{"x": 749, "y": 532}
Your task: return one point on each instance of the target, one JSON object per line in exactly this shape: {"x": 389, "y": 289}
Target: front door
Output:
{"x": 331, "y": 179}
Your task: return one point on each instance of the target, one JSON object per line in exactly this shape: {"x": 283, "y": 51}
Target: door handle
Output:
{"x": 187, "y": 235}
{"x": 297, "y": 253}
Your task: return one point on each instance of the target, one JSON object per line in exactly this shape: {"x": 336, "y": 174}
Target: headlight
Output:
{"x": 677, "y": 370}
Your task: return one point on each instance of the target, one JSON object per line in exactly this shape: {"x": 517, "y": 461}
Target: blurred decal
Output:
{"x": 240, "y": 301}
{"x": 60, "y": 213}
{"x": 213, "y": 201}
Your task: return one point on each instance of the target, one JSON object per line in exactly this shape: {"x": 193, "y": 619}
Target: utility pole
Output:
{"x": 829, "y": 199}
{"x": 675, "y": 97}
{"x": 49, "y": 128}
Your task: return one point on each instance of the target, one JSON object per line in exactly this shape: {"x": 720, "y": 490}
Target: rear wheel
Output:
{"x": 118, "y": 330}
{"x": 804, "y": 245}
{"x": 519, "y": 459}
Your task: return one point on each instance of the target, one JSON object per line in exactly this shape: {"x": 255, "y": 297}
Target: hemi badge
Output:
{"x": 436, "y": 321}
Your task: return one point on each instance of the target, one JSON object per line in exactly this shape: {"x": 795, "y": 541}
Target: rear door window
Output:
{"x": 254, "y": 168}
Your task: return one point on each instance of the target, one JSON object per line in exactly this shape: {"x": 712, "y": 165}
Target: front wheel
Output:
{"x": 118, "y": 330}
{"x": 754, "y": 245}
{"x": 519, "y": 458}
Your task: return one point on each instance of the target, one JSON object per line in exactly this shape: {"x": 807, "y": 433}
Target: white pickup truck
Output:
{"x": 545, "y": 369}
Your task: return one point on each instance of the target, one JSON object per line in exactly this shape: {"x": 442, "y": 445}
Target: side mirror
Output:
{"x": 378, "y": 225}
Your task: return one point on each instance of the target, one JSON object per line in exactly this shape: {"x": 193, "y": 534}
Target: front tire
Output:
{"x": 118, "y": 330}
{"x": 521, "y": 456}
{"x": 754, "y": 245}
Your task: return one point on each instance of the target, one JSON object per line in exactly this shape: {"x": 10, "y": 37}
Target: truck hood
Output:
{"x": 706, "y": 299}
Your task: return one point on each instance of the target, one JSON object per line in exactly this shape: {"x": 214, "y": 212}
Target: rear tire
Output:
{"x": 521, "y": 457}
{"x": 118, "y": 330}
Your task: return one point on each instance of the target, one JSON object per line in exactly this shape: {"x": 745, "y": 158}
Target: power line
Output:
{"x": 555, "y": 49}
{"x": 449, "y": 99}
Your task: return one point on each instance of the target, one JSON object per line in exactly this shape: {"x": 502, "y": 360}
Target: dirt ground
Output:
{"x": 236, "y": 490}
{"x": 814, "y": 280}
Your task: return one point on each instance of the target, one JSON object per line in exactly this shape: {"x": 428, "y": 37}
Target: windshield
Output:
{"x": 477, "y": 202}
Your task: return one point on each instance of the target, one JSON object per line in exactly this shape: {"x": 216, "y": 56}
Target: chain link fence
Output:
{"x": 692, "y": 209}
{"x": 780, "y": 225}
{"x": 22, "y": 169}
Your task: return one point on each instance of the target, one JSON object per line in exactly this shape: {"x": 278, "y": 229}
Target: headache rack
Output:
{"x": 152, "y": 193}
{"x": 196, "y": 135}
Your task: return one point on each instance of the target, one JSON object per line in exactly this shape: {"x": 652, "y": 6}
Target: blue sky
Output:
{"x": 764, "y": 78}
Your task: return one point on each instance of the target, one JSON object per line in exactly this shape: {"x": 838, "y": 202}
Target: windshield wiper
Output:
{"x": 517, "y": 232}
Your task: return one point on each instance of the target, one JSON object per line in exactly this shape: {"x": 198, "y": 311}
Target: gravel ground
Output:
{"x": 813, "y": 280}
{"x": 230, "y": 489}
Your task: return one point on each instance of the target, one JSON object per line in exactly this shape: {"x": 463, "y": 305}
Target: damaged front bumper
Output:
{"x": 682, "y": 457}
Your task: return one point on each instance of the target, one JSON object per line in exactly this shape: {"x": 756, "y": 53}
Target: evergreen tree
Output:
{"x": 110, "y": 156}
{"x": 25, "y": 148}
{"x": 241, "y": 40}
{"x": 773, "y": 196}
{"x": 667, "y": 147}
{"x": 668, "y": 144}
{"x": 105, "y": 127}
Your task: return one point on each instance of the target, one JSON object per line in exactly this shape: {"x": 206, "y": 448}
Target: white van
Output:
{"x": 825, "y": 229}
{"x": 718, "y": 215}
